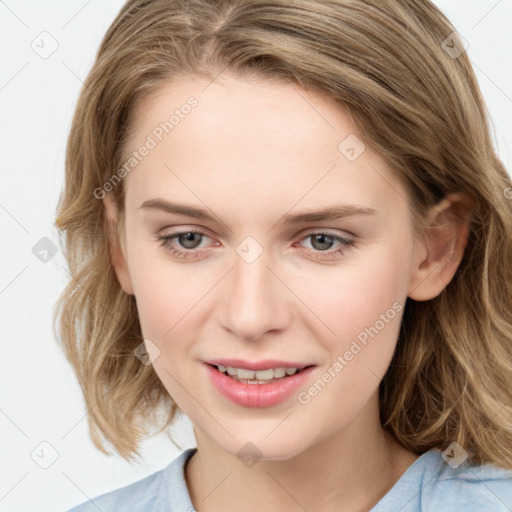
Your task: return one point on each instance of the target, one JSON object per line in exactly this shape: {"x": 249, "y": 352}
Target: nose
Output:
{"x": 255, "y": 301}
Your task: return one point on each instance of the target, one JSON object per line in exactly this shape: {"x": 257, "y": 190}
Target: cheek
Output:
{"x": 362, "y": 305}
{"x": 156, "y": 304}
{"x": 350, "y": 298}
{"x": 165, "y": 308}
{"x": 165, "y": 291}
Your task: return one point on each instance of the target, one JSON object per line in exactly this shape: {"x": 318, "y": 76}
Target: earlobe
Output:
{"x": 117, "y": 257}
{"x": 439, "y": 254}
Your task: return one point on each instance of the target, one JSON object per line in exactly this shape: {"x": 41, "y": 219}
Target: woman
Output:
{"x": 289, "y": 223}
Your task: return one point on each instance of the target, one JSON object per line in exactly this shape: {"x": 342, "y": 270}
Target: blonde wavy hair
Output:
{"x": 386, "y": 63}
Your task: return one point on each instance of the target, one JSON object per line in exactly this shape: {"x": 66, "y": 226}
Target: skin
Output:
{"x": 251, "y": 152}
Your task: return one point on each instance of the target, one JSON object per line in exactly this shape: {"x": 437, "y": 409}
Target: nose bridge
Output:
{"x": 255, "y": 301}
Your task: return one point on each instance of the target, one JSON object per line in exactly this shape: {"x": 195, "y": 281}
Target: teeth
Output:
{"x": 279, "y": 372}
{"x": 263, "y": 374}
{"x": 245, "y": 374}
{"x": 260, "y": 375}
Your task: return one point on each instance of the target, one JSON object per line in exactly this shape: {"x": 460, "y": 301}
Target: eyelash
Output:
{"x": 346, "y": 244}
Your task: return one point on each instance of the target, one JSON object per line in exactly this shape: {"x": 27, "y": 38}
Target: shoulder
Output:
{"x": 143, "y": 495}
{"x": 137, "y": 496}
{"x": 469, "y": 487}
{"x": 430, "y": 484}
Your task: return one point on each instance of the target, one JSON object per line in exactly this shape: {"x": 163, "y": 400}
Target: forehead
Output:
{"x": 247, "y": 110}
{"x": 234, "y": 138}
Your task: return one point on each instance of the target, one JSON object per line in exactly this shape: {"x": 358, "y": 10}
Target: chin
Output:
{"x": 251, "y": 448}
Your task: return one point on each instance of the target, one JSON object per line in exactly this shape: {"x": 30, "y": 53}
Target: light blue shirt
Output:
{"x": 428, "y": 485}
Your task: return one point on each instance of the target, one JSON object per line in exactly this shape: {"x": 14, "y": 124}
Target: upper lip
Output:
{"x": 257, "y": 365}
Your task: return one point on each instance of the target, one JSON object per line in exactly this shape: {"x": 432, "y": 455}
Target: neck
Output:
{"x": 348, "y": 471}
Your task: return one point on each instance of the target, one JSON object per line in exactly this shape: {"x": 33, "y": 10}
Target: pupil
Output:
{"x": 189, "y": 240}
{"x": 322, "y": 238}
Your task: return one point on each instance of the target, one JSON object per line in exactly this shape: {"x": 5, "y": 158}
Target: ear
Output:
{"x": 439, "y": 253}
{"x": 116, "y": 249}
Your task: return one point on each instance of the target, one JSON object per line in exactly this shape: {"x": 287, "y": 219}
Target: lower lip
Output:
{"x": 257, "y": 395}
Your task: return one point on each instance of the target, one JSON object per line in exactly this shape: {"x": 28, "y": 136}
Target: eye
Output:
{"x": 323, "y": 241}
{"x": 188, "y": 241}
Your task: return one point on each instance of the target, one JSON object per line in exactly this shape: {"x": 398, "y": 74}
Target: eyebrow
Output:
{"x": 332, "y": 212}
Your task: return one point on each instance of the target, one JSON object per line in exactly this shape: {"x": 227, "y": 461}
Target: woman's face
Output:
{"x": 259, "y": 281}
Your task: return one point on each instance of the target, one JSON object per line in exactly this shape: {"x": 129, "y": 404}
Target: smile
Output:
{"x": 257, "y": 388}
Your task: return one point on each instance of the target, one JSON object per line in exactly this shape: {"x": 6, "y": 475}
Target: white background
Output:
{"x": 39, "y": 397}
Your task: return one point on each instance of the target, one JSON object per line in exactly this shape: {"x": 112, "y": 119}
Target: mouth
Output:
{"x": 266, "y": 386}
{"x": 262, "y": 376}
